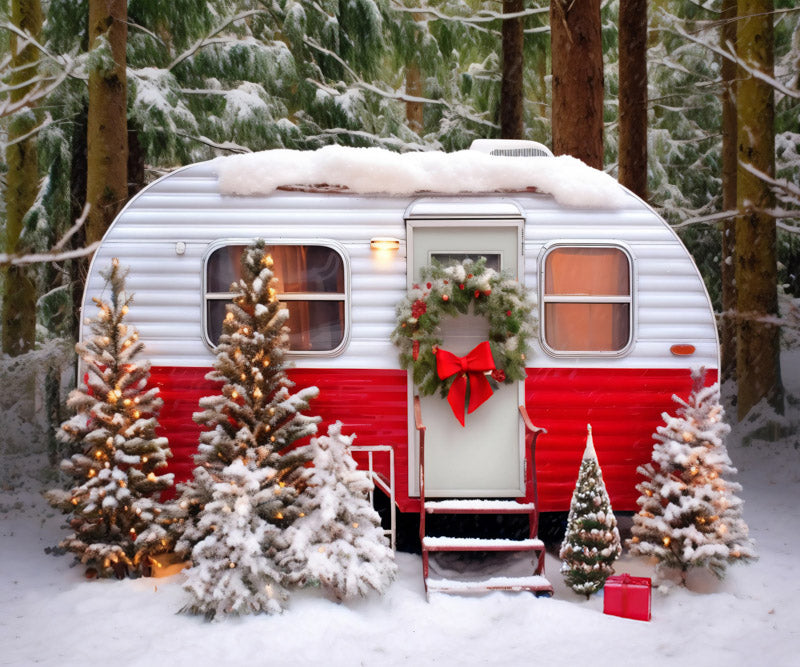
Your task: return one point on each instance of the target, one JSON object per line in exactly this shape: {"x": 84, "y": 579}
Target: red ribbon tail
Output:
{"x": 457, "y": 396}
{"x": 480, "y": 391}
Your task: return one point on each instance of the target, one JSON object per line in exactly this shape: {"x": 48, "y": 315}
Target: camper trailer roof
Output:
{"x": 379, "y": 171}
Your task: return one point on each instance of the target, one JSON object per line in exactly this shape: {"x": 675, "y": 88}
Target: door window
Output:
{"x": 493, "y": 259}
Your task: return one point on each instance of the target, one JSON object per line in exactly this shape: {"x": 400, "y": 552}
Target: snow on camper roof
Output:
{"x": 379, "y": 171}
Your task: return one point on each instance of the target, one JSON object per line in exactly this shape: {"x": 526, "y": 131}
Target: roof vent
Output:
{"x": 511, "y": 148}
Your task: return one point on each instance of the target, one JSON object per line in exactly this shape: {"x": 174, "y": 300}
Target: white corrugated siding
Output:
{"x": 671, "y": 305}
{"x": 670, "y": 301}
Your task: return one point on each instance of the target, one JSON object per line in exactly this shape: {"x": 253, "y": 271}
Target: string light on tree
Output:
{"x": 591, "y": 543}
{"x": 249, "y": 477}
{"x": 690, "y": 515}
{"x": 117, "y": 460}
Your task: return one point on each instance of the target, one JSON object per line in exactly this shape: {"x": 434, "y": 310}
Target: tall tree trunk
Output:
{"x": 107, "y": 137}
{"x": 758, "y": 348}
{"x": 511, "y": 97}
{"x": 730, "y": 156}
{"x": 577, "y": 80}
{"x": 414, "y": 87}
{"x": 22, "y": 181}
{"x": 633, "y": 95}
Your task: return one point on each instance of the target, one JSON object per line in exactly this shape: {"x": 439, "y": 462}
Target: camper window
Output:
{"x": 586, "y": 299}
{"x": 310, "y": 284}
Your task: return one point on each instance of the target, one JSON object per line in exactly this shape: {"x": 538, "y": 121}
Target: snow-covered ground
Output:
{"x": 51, "y": 615}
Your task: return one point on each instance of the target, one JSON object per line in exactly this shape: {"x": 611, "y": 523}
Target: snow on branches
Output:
{"x": 690, "y": 515}
{"x": 255, "y": 518}
{"x": 339, "y": 544}
{"x": 251, "y": 430}
{"x": 116, "y": 454}
{"x": 592, "y": 543}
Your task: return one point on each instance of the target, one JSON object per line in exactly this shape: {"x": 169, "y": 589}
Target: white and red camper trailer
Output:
{"x": 622, "y": 314}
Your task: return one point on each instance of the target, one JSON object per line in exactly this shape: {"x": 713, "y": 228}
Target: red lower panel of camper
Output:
{"x": 623, "y": 406}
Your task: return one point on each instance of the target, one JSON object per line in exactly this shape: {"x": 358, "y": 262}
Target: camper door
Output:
{"x": 484, "y": 458}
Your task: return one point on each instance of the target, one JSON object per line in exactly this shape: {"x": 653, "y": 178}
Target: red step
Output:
{"x": 478, "y": 506}
{"x": 480, "y": 544}
{"x": 535, "y": 584}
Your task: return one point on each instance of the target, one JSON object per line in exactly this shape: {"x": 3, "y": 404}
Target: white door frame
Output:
{"x": 483, "y": 222}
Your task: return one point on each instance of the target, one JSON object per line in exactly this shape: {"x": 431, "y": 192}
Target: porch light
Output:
{"x": 384, "y": 244}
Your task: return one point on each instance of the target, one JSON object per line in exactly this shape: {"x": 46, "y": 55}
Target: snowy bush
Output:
{"x": 339, "y": 544}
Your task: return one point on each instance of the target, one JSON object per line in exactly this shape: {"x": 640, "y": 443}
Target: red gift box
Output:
{"x": 627, "y": 596}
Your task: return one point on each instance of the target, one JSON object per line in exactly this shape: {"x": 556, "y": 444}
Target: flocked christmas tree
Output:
{"x": 117, "y": 460}
{"x": 690, "y": 515}
{"x": 592, "y": 543}
{"x": 252, "y": 427}
{"x": 340, "y": 544}
{"x": 234, "y": 571}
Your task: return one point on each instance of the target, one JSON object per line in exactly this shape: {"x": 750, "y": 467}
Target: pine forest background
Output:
{"x": 161, "y": 84}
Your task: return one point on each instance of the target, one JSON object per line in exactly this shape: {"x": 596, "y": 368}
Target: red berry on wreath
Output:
{"x": 418, "y": 308}
{"x": 461, "y": 286}
{"x": 508, "y": 313}
{"x": 477, "y": 293}
{"x": 445, "y": 297}
{"x": 428, "y": 285}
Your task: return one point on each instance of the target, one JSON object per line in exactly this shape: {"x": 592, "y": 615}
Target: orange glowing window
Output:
{"x": 586, "y": 299}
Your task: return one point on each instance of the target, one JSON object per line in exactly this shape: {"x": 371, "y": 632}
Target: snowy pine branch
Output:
{"x": 210, "y": 39}
{"x": 479, "y": 17}
{"x": 358, "y": 82}
{"x": 229, "y": 146}
{"x": 729, "y": 53}
{"x": 56, "y": 253}
{"x": 40, "y": 85}
{"x": 388, "y": 142}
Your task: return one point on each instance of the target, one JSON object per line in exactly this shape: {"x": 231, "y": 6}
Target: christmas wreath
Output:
{"x": 449, "y": 291}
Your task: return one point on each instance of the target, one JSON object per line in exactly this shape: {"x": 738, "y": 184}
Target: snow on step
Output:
{"x": 535, "y": 583}
{"x": 480, "y": 544}
{"x": 473, "y": 506}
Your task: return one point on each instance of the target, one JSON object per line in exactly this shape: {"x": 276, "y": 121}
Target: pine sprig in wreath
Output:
{"x": 456, "y": 289}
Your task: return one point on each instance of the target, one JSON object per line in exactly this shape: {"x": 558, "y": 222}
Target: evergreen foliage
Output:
{"x": 690, "y": 515}
{"x": 461, "y": 288}
{"x": 247, "y": 458}
{"x": 339, "y": 544}
{"x": 116, "y": 454}
{"x": 592, "y": 542}
{"x": 232, "y": 572}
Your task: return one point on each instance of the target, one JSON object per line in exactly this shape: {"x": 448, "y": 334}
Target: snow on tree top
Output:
{"x": 379, "y": 171}
{"x": 589, "y": 452}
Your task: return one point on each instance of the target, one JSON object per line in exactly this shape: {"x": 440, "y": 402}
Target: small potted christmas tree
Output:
{"x": 690, "y": 515}
{"x": 117, "y": 460}
{"x": 592, "y": 543}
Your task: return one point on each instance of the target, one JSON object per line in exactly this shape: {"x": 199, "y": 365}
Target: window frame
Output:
{"x": 544, "y": 299}
{"x": 343, "y": 297}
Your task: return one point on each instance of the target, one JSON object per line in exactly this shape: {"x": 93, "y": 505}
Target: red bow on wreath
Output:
{"x": 470, "y": 371}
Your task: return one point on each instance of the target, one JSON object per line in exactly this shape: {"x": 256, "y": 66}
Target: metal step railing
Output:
{"x": 387, "y": 486}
